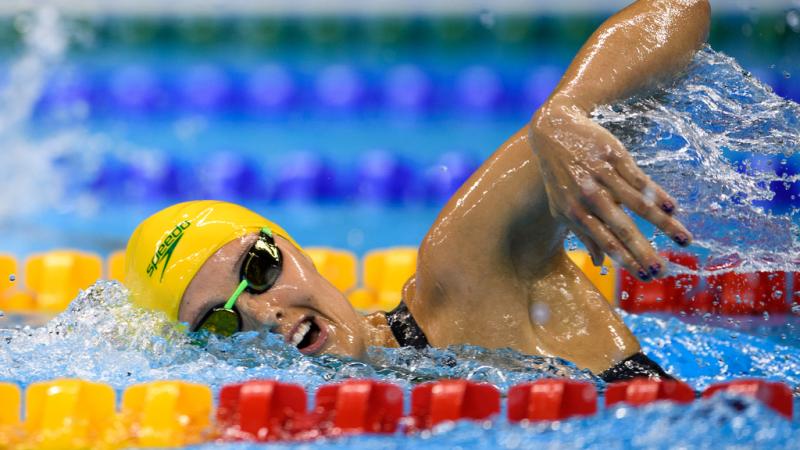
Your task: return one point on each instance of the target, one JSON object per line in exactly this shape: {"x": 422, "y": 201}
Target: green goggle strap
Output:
{"x": 244, "y": 283}
{"x": 232, "y": 301}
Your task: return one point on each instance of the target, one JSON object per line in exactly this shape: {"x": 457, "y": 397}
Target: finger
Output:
{"x": 639, "y": 180}
{"x": 621, "y": 225}
{"x": 591, "y": 246}
{"x": 622, "y": 160}
{"x": 638, "y": 203}
{"x": 590, "y": 226}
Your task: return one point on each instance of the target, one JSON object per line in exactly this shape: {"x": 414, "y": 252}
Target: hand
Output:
{"x": 588, "y": 174}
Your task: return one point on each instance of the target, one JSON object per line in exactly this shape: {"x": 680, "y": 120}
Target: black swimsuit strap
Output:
{"x": 409, "y": 334}
{"x": 405, "y": 328}
{"x": 638, "y": 365}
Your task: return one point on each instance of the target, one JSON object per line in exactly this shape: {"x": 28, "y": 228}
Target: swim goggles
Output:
{"x": 260, "y": 269}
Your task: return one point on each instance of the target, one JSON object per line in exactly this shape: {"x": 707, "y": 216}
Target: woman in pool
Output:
{"x": 492, "y": 270}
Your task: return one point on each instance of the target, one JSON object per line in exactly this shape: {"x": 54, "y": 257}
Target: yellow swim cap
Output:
{"x": 168, "y": 248}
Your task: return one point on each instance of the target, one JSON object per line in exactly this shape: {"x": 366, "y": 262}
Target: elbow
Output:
{"x": 696, "y": 14}
{"x": 695, "y": 5}
{"x": 700, "y": 11}
{"x": 700, "y": 7}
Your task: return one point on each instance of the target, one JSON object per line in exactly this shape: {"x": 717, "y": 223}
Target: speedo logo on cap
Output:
{"x": 165, "y": 249}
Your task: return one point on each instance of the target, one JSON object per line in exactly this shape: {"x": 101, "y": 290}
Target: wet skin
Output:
{"x": 492, "y": 270}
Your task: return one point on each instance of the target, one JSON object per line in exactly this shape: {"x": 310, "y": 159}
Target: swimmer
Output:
{"x": 494, "y": 254}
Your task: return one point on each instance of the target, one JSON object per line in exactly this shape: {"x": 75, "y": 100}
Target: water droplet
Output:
{"x": 786, "y": 74}
{"x": 603, "y": 270}
{"x": 12, "y": 277}
{"x": 796, "y": 308}
{"x": 623, "y": 295}
{"x": 766, "y": 315}
{"x": 355, "y": 238}
{"x": 793, "y": 20}
{"x": 540, "y": 313}
{"x": 487, "y": 18}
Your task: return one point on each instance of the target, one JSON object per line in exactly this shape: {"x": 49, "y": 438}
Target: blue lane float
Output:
{"x": 375, "y": 177}
{"x": 384, "y": 177}
{"x": 206, "y": 88}
{"x": 333, "y": 90}
{"x": 135, "y": 88}
{"x": 408, "y": 89}
{"x": 271, "y": 88}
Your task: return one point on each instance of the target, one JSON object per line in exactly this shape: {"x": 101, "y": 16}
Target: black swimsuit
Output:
{"x": 408, "y": 334}
{"x": 405, "y": 328}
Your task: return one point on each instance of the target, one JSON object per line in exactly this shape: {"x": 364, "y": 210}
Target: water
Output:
{"x": 692, "y": 138}
{"x": 703, "y": 424}
{"x": 102, "y": 337}
{"x": 42, "y": 169}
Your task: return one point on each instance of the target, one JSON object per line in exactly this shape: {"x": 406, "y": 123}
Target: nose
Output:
{"x": 263, "y": 310}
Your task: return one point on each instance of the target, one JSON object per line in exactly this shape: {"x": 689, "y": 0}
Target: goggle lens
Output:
{"x": 261, "y": 268}
{"x": 221, "y": 321}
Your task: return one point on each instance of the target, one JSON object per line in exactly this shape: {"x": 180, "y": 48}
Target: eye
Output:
{"x": 261, "y": 270}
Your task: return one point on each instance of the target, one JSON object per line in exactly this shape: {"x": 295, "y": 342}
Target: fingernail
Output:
{"x": 668, "y": 207}
{"x": 681, "y": 239}
{"x": 643, "y": 275}
{"x": 655, "y": 268}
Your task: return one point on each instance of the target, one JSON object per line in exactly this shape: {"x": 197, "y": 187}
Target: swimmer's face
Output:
{"x": 307, "y": 310}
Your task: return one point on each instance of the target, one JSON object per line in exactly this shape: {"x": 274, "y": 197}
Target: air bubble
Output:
{"x": 12, "y": 278}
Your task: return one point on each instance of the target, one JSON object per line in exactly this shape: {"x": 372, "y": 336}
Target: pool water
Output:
{"x": 690, "y": 135}
{"x": 102, "y": 337}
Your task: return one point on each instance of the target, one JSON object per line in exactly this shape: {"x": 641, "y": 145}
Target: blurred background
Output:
{"x": 348, "y": 122}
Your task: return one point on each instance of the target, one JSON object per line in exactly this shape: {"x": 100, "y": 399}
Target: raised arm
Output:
{"x": 587, "y": 172}
{"x": 495, "y": 253}
{"x": 649, "y": 41}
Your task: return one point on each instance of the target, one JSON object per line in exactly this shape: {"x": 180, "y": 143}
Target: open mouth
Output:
{"x": 308, "y": 336}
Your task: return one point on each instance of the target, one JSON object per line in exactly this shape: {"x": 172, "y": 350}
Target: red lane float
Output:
{"x": 775, "y": 395}
{"x": 670, "y": 294}
{"x": 260, "y": 410}
{"x": 642, "y": 391}
{"x": 771, "y": 293}
{"x": 729, "y": 293}
{"x": 446, "y": 400}
{"x": 552, "y": 399}
{"x": 270, "y": 410}
{"x": 358, "y": 406}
